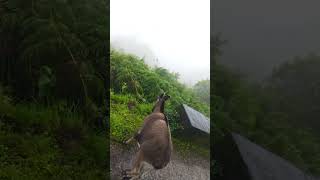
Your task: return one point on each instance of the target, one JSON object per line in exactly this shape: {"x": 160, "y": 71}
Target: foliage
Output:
{"x": 130, "y": 75}
{"x": 48, "y": 142}
{"x": 275, "y": 115}
{"x": 216, "y": 169}
{"x": 125, "y": 122}
{"x": 215, "y": 46}
{"x": 202, "y": 90}
{"x": 53, "y": 67}
{"x": 53, "y": 35}
{"x": 188, "y": 147}
{"x": 297, "y": 82}
{"x": 133, "y": 83}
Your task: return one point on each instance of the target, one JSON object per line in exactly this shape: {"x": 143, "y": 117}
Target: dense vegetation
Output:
{"x": 281, "y": 114}
{"x": 53, "y": 74}
{"x": 135, "y": 87}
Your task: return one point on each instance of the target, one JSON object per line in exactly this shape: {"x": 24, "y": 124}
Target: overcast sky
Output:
{"x": 176, "y": 32}
{"x": 263, "y": 33}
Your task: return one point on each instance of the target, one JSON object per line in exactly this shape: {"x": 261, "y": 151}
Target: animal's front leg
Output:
{"x": 129, "y": 140}
{"x": 136, "y": 137}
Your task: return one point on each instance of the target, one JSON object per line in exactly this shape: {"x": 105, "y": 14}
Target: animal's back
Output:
{"x": 155, "y": 143}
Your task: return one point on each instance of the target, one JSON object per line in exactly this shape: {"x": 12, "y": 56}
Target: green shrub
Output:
{"x": 125, "y": 122}
{"x": 131, "y": 77}
{"x": 49, "y": 142}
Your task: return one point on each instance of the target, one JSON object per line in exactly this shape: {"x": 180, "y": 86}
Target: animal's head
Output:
{"x": 163, "y": 97}
{"x": 160, "y": 102}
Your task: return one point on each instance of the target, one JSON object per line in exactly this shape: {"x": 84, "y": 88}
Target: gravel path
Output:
{"x": 191, "y": 168}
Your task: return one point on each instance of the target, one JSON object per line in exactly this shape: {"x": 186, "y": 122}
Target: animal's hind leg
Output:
{"x": 134, "y": 172}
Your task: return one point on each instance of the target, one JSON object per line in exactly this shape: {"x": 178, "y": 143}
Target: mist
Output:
{"x": 262, "y": 34}
{"x": 170, "y": 34}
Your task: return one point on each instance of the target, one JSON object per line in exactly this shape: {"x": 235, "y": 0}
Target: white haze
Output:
{"x": 175, "y": 32}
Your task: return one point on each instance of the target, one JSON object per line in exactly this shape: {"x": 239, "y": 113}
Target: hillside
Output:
{"x": 134, "y": 88}
{"x": 53, "y": 74}
{"x": 280, "y": 114}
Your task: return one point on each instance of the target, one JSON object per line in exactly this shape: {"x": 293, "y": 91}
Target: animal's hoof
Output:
{"x": 125, "y": 176}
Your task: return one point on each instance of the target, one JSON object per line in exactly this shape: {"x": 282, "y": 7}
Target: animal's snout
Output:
{"x": 166, "y": 97}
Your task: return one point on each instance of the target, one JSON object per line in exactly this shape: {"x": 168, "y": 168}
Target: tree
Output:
{"x": 202, "y": 90}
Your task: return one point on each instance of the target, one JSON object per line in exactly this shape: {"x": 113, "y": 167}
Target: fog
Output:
{"x": 170, "y": 34}
{"x": 264, "y": 33}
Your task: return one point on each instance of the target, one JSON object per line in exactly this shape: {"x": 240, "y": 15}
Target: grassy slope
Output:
{"x": 38, "y": 142}
{"x": 125, "y": 122}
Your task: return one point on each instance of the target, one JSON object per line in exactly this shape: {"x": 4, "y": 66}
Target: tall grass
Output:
{"x": 49, "y": 142}
{"x": 125, "y": 122}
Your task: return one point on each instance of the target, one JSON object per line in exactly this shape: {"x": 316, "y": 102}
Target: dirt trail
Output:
{"x": 190, "y": 168}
